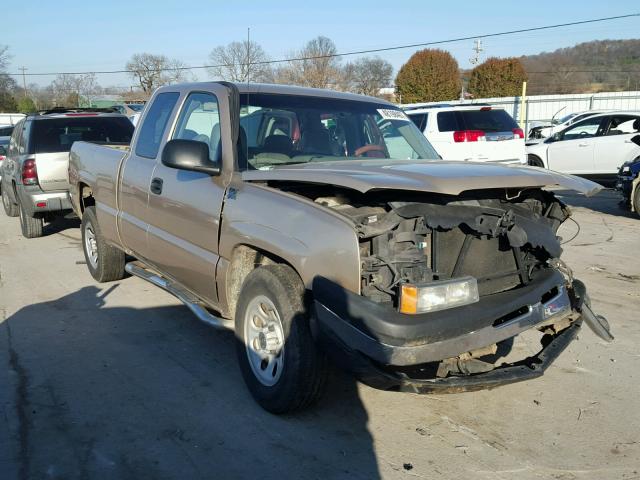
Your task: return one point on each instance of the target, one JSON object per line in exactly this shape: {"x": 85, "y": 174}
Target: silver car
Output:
{"x": 34, "y": 175}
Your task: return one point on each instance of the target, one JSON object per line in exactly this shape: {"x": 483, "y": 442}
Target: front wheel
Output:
{"x": 280, "y": 362}
{"x": 636, "y": 200}
{"x": 105, "y": 262}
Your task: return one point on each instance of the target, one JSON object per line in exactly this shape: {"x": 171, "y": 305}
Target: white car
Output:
{"x": 547, "y": 130}
{"x": 594, "y": 148}
{"x": 470, "y": 132}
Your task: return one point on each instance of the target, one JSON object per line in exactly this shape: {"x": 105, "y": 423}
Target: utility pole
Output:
{"x": 477, "y": 48}
{"x": 24, "y": 79}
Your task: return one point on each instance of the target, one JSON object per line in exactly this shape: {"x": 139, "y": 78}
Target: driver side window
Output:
{"x": 586, "y": 129}
{"x": 200, "y": 121}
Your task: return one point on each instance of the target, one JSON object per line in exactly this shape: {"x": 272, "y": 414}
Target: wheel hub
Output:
{"x": 264, "y": 340}
{"x": 91, "y": 245}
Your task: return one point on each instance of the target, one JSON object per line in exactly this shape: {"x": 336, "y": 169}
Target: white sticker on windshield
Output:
{"x": 390, "y": 114}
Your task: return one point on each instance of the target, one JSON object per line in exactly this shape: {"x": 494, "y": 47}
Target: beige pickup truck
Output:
{"x": 318, "y": 225}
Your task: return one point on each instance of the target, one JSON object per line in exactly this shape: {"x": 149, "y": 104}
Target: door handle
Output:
{"x": 583, "y": 144}
{"x": 156, "y": 186}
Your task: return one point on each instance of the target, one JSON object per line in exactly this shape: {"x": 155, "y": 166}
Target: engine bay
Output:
{"x": 500, "y": 237}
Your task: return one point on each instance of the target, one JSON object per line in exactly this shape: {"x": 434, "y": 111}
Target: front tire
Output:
{"x": 10, "y": 208}
{"x": 279, "y": 360}
{"x": 31, "y": 226}
{"x": 636, "y": 200}
{"x": 105, "y": 262}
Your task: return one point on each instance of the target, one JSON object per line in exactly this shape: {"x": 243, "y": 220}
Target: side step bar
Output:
{"x": 139, "y": 270}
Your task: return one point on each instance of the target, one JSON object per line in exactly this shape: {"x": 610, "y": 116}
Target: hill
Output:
{"x": 601, "y": 65}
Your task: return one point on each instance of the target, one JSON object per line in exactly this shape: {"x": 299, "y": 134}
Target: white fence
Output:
{"x": 542, "y": 108}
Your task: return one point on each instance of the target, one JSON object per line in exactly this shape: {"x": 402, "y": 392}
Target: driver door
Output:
{"x": 185, "y": 206}
{"x": 572, "y": 151}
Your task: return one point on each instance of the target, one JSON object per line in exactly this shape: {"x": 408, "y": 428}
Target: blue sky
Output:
{"x": 85, "y": 35}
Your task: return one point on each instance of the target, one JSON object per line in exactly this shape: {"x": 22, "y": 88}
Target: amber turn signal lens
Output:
{"x": 408, "y": 298}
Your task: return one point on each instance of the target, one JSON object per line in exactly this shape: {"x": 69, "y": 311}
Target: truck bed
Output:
{"x": 89, "y": 162}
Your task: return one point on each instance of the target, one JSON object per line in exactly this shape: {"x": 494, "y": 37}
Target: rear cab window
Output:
{"x": 58, "y": 134}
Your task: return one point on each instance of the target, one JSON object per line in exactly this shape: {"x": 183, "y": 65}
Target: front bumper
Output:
{"x": 385, "y": 349}
{"x": 36, "y": 201}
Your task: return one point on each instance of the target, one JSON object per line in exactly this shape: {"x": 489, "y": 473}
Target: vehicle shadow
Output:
{"x": 60, "y": 224}
{"x": 101, "y": 391}
{"x": 607, "y": 201}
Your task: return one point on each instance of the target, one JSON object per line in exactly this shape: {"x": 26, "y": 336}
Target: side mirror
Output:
{"x": 556, "y": 137}
{"x": 189, "y": 155}
{"x": 635, "y": 140}
{"x": 3, "y": 151}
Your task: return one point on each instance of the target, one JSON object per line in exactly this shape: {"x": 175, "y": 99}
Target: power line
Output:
{"x": 356, "y": 52}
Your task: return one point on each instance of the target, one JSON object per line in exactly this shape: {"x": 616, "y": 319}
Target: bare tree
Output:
{"x": 367, "y": 75}
{"x": 4, "y": 57}
{"x": 240, "y": 62}
{"x": 152, "y": 71}
{"x": 316, "y": 65}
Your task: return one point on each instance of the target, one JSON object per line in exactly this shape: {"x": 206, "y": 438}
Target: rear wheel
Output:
{"x": 10, "y": 208}
{"x": 105, "y": 262}
{"x": 280, "y": 362}
{"x": 31, "y": 226}
{"x": 535, "y": 161}
{"x": 636, "y": 200}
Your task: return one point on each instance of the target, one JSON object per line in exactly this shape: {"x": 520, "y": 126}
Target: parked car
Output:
{"x": 593, "y": 148}
{"x": 548, "y": 129}
{"x": 629, "y": 181}
{"x": 10, "y": 119}
{"x": 471, "y": 132}
{"x": 410, "y": 271}
{"x": 34, "y": 181}
{"x": 6, "y": 130}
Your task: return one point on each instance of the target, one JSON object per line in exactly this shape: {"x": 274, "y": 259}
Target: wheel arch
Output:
{"x": 244, "y": 259}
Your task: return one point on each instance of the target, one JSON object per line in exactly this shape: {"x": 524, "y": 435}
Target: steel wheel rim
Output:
{"x": 90, "y": 245}
{"x": 264, "y": 340}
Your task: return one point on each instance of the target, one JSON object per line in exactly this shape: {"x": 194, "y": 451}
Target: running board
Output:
{"x": 139, "y": 270}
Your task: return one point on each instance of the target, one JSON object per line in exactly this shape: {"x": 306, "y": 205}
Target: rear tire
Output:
{"x": 105, "y": 262}
{"x": 10, "y": 208}
{"x": 535, "y": 161}
{"x": 31, "y": 226}
{"x": 280, "y": 362}
{"x": 636, "y": 200}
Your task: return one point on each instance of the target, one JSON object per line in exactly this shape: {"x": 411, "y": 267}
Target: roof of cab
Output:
{"x": 281, "y": 90}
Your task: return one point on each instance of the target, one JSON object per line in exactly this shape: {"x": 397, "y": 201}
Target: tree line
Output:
{"x": 428, "y": 75}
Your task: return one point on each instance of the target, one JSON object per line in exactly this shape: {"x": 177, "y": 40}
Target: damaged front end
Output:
{"x": 447, "y": 284}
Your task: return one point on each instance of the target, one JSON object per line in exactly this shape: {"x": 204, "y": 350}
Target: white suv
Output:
{"x": 470, "y": 132}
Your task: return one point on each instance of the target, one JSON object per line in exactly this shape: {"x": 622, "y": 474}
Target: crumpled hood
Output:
{"x": 444, "y": 177}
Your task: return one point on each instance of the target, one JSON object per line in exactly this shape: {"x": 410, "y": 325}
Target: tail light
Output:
{"x": 468, "y": 136}
{"x": 29, "y": 172}
{"x": 517, "y": 132}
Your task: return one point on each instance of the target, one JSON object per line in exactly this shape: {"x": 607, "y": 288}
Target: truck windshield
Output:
{"x": 58, "y": 134}
{"x": 285, "y": 129}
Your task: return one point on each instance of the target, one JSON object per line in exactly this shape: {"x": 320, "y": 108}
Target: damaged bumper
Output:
{"x": 389, "y": 350}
